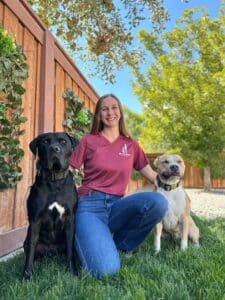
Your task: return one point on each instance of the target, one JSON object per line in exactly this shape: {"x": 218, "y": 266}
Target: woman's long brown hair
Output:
{"x": 97, "y": 124}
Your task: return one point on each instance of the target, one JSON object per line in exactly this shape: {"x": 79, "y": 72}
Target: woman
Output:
{"x": 106, "y": 220}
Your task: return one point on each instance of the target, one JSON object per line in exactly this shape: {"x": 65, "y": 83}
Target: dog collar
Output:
{"x": 167, "y": 187}
{"x": 54, "y": 176}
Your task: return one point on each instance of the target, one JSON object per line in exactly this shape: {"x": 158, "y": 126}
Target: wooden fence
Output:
{"x": 51, "y": 71}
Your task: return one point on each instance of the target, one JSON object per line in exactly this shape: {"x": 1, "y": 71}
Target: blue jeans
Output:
{"x": 106, "y": 224}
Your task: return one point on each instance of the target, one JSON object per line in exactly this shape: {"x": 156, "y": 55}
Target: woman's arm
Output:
{"x": 149, "y": 174}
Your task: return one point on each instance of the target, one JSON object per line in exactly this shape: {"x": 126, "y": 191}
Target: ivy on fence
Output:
{"x": 13, "y": 72}
{"x": 77, "y": 121}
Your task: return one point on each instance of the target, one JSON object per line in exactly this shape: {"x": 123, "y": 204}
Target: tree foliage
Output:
{"x": 184, "y": 87}
{"x": 134, "y": 122}
{"x": 100, "y": 31}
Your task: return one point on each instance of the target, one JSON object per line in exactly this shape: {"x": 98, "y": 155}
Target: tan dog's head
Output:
{"x": 170, "y": 168}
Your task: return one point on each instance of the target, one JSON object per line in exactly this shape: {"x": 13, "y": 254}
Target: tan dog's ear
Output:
{"x": 155, "y": 163}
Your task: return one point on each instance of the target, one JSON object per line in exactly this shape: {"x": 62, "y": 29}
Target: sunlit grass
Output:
{"x": 193, "y": 274}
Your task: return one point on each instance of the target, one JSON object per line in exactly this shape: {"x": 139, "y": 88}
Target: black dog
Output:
{"x": 51, "y": 202}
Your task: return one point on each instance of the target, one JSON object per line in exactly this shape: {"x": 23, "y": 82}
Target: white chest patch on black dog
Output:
{"x": 60, "y": 209}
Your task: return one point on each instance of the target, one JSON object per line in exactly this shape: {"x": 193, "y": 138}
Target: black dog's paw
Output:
{"x": 71, "y": 268}
{"x": 27, "y": 275}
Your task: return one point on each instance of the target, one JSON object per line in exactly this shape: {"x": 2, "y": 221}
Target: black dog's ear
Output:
{"x": 34, "y": 145}
{"x": 73, "y": 140}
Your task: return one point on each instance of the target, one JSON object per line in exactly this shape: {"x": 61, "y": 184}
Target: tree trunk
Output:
{"x": 207, "y": 179}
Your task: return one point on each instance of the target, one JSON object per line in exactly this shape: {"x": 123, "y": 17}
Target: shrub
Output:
{"x": 13, "y": 71}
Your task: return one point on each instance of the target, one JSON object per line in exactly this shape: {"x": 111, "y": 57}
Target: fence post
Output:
{"x": 46, "y": 118}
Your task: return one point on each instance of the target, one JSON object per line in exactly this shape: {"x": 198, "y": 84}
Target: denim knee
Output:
{"x": 154, "y": 203}
{"x": 161, "y": 204}
{"x": 100, "y": 265}
{"x": 95, "y": 246}
{"x": 106, "y": 270}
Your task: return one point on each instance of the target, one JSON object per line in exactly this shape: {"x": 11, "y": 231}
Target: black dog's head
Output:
{"x": 53, "y": 150}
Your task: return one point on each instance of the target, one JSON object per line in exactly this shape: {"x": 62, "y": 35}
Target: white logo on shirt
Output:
{"x": 124, "y": 151}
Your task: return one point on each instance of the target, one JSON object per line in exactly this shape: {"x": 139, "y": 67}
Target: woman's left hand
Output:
{"x": 150, "y": 175}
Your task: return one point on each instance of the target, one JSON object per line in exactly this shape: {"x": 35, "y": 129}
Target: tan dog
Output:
{"x": 170, "y": 169}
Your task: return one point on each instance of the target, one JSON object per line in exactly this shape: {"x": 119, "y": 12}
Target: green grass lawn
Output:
{"x": 193, "y": 274}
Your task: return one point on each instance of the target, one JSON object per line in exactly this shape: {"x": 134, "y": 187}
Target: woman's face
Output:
{"x": 110, "y": 112}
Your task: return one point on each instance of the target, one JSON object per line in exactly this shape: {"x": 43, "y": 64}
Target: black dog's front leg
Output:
{"x": 29, "y": 248}
{"x": 71, "y": 263}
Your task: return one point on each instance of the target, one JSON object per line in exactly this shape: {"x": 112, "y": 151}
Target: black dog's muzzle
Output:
{"x": 57, "y": 158}
{"x": 55, "y": 148}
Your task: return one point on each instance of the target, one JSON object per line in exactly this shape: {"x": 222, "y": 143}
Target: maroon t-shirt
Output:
{"x": 107, "y": 165}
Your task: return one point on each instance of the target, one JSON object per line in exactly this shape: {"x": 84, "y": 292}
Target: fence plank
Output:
{"x": 218, "y": 183}
{"x": 19, "y": 33}
{"x": 37, "y": 90}
{"x": 215, "y": 183}
{"x": 75, "y": 88}
{"x": 68, "y": 85}
{"x": 14, "y": 26}
{"x": 59, "y": 100}
{"x": 30, "y": 49}
{"x": 81, "y": 94}
{"x": 68, "y": 82}
{"x": 46, "y": 118}
{"x": 1, "y": 13}
{"x": 199, "y": 178}
{"x": 7, "y": 210}
{"x": 87, "y": 102}
{"x": 92, "y": 107}
{"x": 10, "y": 22}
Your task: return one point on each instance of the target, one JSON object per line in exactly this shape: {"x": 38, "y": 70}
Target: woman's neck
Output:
{"x": 110, "y": 133}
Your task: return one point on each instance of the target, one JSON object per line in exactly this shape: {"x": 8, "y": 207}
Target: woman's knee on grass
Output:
{"x": 104, "y": 268}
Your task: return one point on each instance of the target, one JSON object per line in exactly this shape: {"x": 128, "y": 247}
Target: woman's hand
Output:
{"x": 71, "y": 169}
{"x": 150, "y": 175}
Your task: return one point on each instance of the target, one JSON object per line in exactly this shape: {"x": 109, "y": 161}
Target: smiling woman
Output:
{"x": 109, "y": 155}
